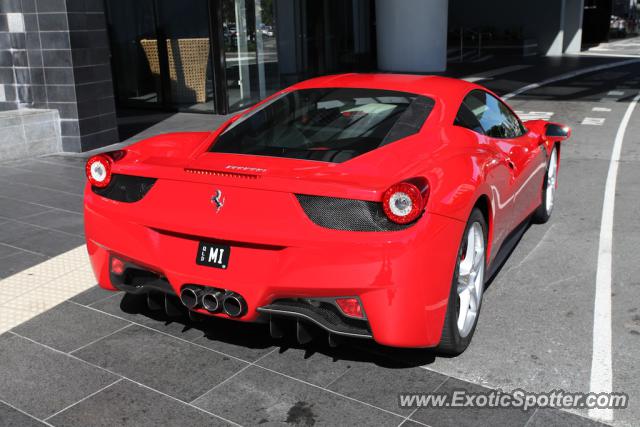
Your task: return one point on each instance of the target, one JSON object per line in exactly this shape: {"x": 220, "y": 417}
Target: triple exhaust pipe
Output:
{"x": 213, "y": 300}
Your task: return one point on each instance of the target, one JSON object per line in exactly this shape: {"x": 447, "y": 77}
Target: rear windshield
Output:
{"x": 331, "y": 125}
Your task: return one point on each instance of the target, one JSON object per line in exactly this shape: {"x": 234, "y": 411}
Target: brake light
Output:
{"x": 404, "y": 202}
{"x": 351, "y": 307}
{"x": 98, "y": 170}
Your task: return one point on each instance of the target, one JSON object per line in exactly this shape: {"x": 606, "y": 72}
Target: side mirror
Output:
{"x": 557, "y": 131}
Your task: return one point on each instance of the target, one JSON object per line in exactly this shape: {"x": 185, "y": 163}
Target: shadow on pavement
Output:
{"x": 256, "y": 336}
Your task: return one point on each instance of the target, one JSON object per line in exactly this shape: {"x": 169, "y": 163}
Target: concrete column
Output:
{"x": 412, "y": 35}
{"x": 547, "y": 23}
{"x": 573, "y": 11}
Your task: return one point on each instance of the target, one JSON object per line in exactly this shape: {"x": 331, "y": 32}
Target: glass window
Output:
{"x": 332, "y": 125}
{"x": 466, "y": 119}
{"x": 251, "y": 54}
{"x": 495, "y": 118}
{"x": 161, "y": 53}
{"x": 133, "y": 33}
{"x": 184, "y": 27}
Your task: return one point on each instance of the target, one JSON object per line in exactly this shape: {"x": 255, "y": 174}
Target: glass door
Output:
{"x": 183, "y": 29}
{"x": 161, "y": 54}
{"x": 136, "y": 71}
{"x": 250, "y": 51}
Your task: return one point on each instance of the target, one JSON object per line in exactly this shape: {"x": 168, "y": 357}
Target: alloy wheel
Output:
{"x": 471, "y": 279}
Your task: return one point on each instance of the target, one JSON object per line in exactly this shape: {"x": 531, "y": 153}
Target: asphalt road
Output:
{"x": 536, "y": 327}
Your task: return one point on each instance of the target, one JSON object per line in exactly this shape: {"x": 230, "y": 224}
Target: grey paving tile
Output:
{"x": 247, "y": 341}
{"x": 555, "y": 418}
{"x": 6, "y": 250}
{"x": 257, "y": 396}
{"x": 318, "y": 366}
{"x": 7, "y": 170}
{"x": 16, "y": 209}
{"x": 172, "y": 366}
{"x": 77, "y": 161}
{"x": 53, "y": 168}
{"x": 92, "y": 295}
{"x": 41, "y": 381}
{"x": 32, "y": 238}
{"x": 134, "y": 308}
{"x": 10, "y": 417}
{"x": 17, "y": 262}
{"x": 68, "y": 201}
{"x": 58, "y": 220}
{"x": 69, "y": 326}
{"x": 469, "y": 416}
{"x": 63, "y": 183}
{"x": 129, "y": 404}
{"x": 380, "y": 385}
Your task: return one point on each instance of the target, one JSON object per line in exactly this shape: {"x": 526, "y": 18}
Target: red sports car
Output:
{"x": 373, "y": 206}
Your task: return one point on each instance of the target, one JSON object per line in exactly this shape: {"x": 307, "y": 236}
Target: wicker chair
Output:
{"x": 188, "y": 59}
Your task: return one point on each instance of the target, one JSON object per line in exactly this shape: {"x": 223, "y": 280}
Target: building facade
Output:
{"x": 88, "y": 59}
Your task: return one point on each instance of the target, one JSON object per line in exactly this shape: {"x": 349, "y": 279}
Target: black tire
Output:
{"x": 451, "y": 343}
{"x": 540, "y": 215}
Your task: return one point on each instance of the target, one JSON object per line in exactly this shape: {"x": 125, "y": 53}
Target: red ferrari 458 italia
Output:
{"x": 368, "y": 205}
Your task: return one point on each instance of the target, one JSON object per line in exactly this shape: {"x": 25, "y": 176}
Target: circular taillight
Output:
{"x": 98, "y": 170}
{"x": 402, "y": 203}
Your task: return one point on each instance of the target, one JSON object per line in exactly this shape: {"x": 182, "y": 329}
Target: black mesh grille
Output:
{"x": 347, "y": 214}
{"x": 126, "y": 188}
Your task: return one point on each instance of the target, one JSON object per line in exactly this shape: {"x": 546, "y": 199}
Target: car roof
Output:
{"x": 431, "y": 86}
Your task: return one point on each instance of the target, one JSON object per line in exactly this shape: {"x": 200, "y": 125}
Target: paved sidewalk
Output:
{"x": 40, "y": 210}
{"x": 43, "y": 286}
{"x": 134, "y": 366}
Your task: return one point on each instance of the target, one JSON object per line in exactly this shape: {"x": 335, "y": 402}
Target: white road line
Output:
{"x": 609, "y": 55}
{"x": 615, "y": 93}
{"x": 569, "y": 75}
{"x": 593, "y": 121}
{"x": 534, "y": 115}
{"x": 601, "y": 109}
{"x": 496, "y": 72}
{"x": 601, "y": 362}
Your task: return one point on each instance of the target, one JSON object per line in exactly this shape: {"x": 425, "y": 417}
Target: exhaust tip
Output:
{"x": 190, "y": 297}
{"x": 211, "y": 301}
{"x": 234, "y": 305}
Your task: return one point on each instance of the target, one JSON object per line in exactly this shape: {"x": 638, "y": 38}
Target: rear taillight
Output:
{"x": 404, "y": 202}
{"x": 98, "y": 170}
{"x": 350, "y": 307}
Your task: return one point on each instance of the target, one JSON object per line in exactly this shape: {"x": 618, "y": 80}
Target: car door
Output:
{"x": 497, "y": 173}
{"x": 516, "y": 151}
{"x": 529, "y": 163}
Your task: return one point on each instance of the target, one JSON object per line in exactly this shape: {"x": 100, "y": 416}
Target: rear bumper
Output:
{"x": 402, "y": 278}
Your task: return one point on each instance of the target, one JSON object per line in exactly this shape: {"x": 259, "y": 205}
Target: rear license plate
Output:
{"x": 213, "y": 255}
